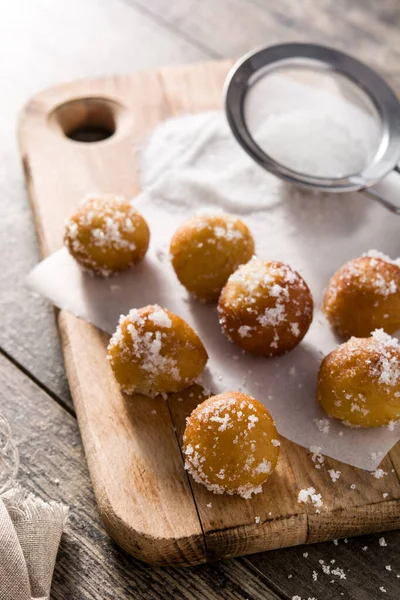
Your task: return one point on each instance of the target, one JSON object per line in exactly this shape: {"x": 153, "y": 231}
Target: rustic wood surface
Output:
{"x": 45, "y": 43}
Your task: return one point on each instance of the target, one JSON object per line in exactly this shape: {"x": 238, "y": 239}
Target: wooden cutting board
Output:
{"x": 133, "y": 444}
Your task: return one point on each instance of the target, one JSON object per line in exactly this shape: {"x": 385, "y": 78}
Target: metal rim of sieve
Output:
{"x": 266, "y": 60}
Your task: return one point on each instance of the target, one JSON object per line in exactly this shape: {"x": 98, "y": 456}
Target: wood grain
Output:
{"x": 233, "y": 27}
{"x": 118, "y": 433}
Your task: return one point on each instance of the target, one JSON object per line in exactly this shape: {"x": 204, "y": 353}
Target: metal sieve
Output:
{"x": 316, "y": 117}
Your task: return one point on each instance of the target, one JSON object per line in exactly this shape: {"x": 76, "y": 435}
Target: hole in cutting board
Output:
{"x": 87, "y": 120}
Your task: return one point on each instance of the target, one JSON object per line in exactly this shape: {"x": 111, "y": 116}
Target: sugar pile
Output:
{"x": 317, "y": 145}
{"x": 314, "y": 131}
{"x": 192, "y": 164}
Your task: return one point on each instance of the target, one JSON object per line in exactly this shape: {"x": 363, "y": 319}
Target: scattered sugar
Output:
{"x": 263, "y": 467}
{"x": 225, "y": 421}
{"x": 257, "y": 520}
{"x": 382, "y": 541}
{"x": 209, "y": 505}
{"x": 375, "y": 455}
{"x": 328, "y": 570}
{"x": 388, "y": 568}
{"x": 382, "y": 256}
{"x": 244, "y": 330}
{"x": 323, "y": 425}
{"x": 160, "y": 318}
{"x": 382, "y": 589}
{"x": 379, "y": 473}
{"x": 365, "y": 548}
{"x": 335, "y": 475}
{"x": 272, "y": 316}
{"x": 317, "y": 458}
{"x": 275, "y": 442}
{"x": 333, "y": 149}
{"x": 388, "y": 367}
{"x": 309, "y": 494}
{"x": 252, "y": 421}
{"x": 295, "y": 329}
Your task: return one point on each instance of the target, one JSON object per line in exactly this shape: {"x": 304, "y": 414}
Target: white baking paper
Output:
{"x": 192, "y": 164}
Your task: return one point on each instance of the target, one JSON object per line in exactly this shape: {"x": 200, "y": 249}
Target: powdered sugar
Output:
{"x": 307, "y": 494}
{"x": 160, "y": 318}
{"x": 388, "y": 367}
{"x": 331, "y": 149}
{"x": 382, "y": 256}
{"x": 244, "y": 330}
{"x": 323, "y": 425}
{"x": 382, "y": 541}
{"x": 334, "y": 475}
{"x": 379, "y": 473}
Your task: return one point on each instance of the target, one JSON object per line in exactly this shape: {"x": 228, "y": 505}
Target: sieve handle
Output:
{"x": 376, "y": 193}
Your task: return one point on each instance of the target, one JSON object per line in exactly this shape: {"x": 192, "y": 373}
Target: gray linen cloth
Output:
{"x": 30, "y": 533}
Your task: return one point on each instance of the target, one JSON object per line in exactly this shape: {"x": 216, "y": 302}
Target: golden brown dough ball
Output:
{"x": 265, "y": 308}
{"x": 363, "y": 295}
{"x": 155, "y": 352}
{"x": 106, "y": 234}
{"x": 231, "y": 444}
{"x": 359, "y": 382}
{"x": 207, "y": 249}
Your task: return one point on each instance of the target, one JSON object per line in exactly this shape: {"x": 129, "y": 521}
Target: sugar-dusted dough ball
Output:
{"x": 359, "y": 382}
{"x": 207, "y": 249}
{"x": 231, "y": 444}
{"x": 265, "y": 308}
{"x": 363, "y": 295}
{"x": 106, "y": 234}
{"x": 155, "y": 352}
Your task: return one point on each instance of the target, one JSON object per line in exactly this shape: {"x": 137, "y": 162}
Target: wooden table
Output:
{"x": 45, "y": 42}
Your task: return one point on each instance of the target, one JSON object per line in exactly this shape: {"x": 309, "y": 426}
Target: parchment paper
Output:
{"x": 192, "y": 164}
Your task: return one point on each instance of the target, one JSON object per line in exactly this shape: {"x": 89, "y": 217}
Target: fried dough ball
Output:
{"x": 231, "y": 444}
{"x": 359, "y": 382}
{"x": 363, "y": 295}
{"x": 155, "y": 352}
{"x": 106, "y": 234}
{"x": 265, "y": 308}
{"x": 207, "y": 249}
